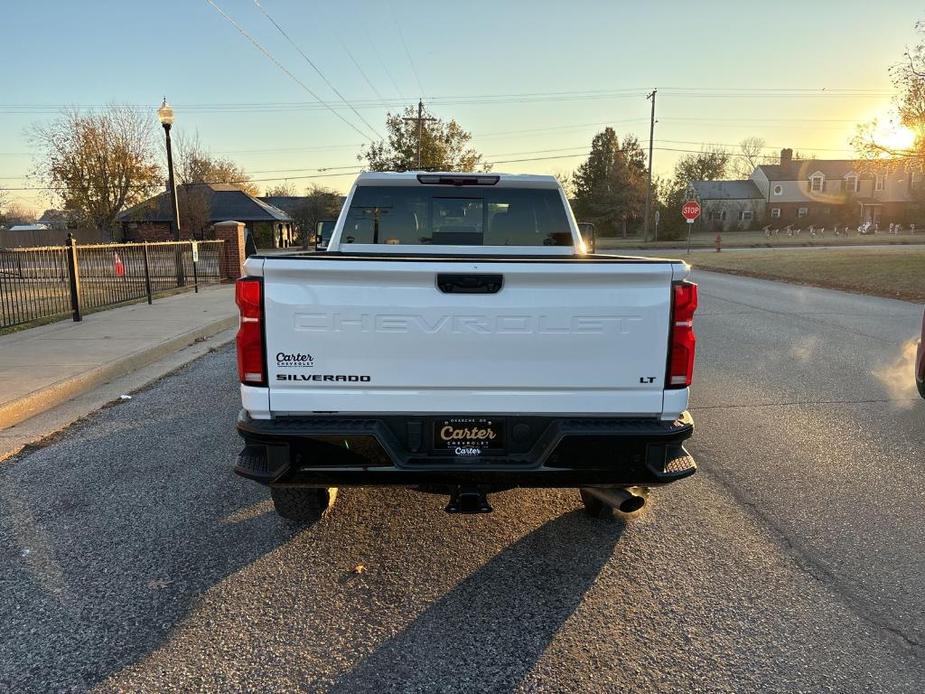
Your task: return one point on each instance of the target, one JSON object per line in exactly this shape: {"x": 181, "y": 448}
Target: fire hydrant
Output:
{"x": 719, "y": 243}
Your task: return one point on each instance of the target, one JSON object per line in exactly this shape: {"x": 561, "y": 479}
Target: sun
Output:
{"x": 890, "y": 133}
{"x": 897, "y": 138}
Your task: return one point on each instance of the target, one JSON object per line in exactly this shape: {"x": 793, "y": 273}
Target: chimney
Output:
{"x": 786, "y": 155}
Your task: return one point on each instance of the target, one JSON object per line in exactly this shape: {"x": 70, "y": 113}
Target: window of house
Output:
{"x": 718, "y": 215}
{"x": 878, "y": 182}
{"x": 817, "y": 183}
{"x": 778, "y": 190}
{"x": 746, "y": 215}
{"x": 913, "y": 180}
{"x": 802, "y": 212}
{"x": 826, "y": 211}
{"x": 775, "y": 213}
{"x": 851, "y": 183}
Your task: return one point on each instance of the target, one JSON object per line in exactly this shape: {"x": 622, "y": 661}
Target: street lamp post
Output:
{"x": 165, "y": 115}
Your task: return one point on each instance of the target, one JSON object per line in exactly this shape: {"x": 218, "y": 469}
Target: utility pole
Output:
{"x": 420, "y": 121}
{"x": 645, "y": 224}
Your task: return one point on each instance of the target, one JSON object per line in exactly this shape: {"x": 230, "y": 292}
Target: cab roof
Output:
{"x": 404, "y": 178}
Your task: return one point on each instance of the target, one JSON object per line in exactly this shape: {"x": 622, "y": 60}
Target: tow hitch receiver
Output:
{"x": 468, "y": 500}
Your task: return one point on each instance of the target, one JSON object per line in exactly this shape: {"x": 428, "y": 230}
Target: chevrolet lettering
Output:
{"x": 460, "y": 324}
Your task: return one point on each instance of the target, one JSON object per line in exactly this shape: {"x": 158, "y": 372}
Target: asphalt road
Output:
{"x": 132, "y": 560}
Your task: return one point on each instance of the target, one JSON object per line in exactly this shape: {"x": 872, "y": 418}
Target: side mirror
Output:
{"x": 321, "y": 243}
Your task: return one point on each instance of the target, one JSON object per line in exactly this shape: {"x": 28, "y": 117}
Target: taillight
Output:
{"x": 682, "y": 344}
{"x": 248, "y": 295}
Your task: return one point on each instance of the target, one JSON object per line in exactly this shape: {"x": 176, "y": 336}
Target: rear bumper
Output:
{"x": 540, "y": 451}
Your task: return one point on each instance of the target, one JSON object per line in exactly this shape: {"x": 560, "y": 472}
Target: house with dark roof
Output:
{"x": 821, "y": 191}
{"x": 202, "y": 205}
{"x": 729, "y": 205}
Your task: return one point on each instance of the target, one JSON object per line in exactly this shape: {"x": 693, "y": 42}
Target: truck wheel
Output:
{"x": 303, "y": 504}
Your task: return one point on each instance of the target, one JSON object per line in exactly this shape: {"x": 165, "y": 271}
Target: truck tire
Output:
{"x": 303, "y": 504}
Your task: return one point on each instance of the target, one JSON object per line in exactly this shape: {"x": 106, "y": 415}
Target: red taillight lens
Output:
{"x": 683, "y": 343}
{"x": 248, "y": 295}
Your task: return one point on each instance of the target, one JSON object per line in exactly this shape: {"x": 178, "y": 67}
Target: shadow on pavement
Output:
{"x": 111, "y": 532}
{"x": 487, "y": 631}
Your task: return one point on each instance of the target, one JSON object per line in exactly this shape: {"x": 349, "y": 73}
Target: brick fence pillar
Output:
{"x": 233, "y": 257}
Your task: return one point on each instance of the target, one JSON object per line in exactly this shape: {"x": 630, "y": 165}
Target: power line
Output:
{"x": 767, "y": 147}
{"x": 448, "y": 100}
{"x": 382, "y": 63}
{"x": 564, "y": 153}
{"x": 316, "y": 68}
{"x": 404, "y": 44}
{"x": 581, "y": 148}
{"x": 760, "y": 120}
{"x": 355, "y": 171}
{"x": 290, "y": 149}
{"x": 242, "y": 182}
{"x": 283, "y": 67}
{"x": 575, "y": 126}
{"x": 359, "y": 69}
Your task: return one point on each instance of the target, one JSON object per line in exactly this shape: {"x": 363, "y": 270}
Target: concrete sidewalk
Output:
{"x": 45, "y": 366}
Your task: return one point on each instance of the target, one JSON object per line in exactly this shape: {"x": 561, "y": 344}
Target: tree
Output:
{"x": 709, "y": 164}
{"x": 320, "y": 204}
{"x": 193, "y": 163}
{"x": 565, "y": 180}
{"x": 750, "y": 156}
{"x": 669, "y": 197}
{"x": 444, "y": 146}
{"x": 610, "y": 187}
{"x": 281, "y": 190}
{"x": 872, "y": 138}
{"x": 194, "y": 203}
{"x": 98, "y": 163}
{"x": 17, "y": 213}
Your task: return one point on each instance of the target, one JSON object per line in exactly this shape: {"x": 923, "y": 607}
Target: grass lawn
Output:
{"x": 897, "y": 273}
{"x": 757, "y": 239}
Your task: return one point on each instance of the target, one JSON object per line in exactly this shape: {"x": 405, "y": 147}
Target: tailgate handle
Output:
{"x": 450, "y": 283}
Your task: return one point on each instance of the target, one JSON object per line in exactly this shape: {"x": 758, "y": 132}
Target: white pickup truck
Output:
{"x": 455, "y": 336}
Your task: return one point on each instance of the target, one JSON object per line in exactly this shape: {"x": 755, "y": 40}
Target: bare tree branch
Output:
{"x": 97, "y": 163}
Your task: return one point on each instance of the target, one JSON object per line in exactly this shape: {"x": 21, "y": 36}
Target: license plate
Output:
{"x": 468, "y": 435}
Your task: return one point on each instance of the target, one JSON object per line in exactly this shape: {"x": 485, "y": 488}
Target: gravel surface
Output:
{"x": 131, "y": 559}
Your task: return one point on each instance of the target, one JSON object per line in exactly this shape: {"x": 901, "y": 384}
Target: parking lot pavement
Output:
{"x": 133, "y": 560}
{"x": 808, "y": 413}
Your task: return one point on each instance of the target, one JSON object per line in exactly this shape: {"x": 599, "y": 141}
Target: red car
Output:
{"x": 920, "y": 362}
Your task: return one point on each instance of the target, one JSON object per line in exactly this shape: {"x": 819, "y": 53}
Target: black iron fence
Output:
{"x": 53, "y": 281}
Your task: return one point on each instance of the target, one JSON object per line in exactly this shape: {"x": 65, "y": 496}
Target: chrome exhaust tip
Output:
{"x": 619, "y": 498}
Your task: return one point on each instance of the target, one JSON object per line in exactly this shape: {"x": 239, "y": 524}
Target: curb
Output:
{"x": 38, "y": 401}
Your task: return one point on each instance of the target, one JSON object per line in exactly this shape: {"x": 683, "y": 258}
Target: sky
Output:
{"x": 532, "y": 80}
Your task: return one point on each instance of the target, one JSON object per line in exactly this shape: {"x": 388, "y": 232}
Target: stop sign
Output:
{"x": 690, "y": 210}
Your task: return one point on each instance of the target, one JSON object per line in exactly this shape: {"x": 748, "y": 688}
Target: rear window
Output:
{"x": 465, "y": 216}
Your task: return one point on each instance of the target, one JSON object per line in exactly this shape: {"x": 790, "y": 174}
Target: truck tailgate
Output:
{"x": 373, "y": 335}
